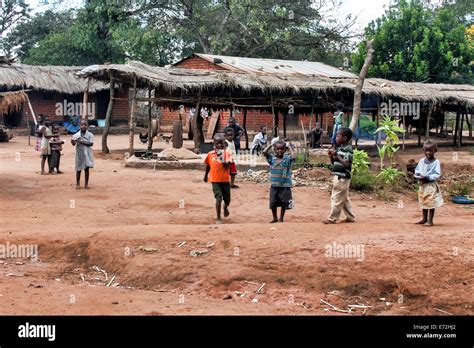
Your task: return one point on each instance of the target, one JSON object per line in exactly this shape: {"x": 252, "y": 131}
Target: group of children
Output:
{"x": 49, "y": 144}
{"x": 221, "y": 172}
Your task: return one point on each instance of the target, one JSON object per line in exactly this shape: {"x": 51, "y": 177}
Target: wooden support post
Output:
{"x": 405, "y": 128}
{"x": 274, "y": 117}
{"x": 461, "y": 128}
{"x": 244, "y": 125}
{"x": 131, "y": 124}
{"x": 85, "y": 101}
{"x": 469, "y": 124}
{"x": 197, "y": 136}
{"x": 455, "y": 133}
{"x": 108, "y": 115}
{"x": 285, "y": 115}
{"x": 312, "y": 112}
{"x": 428, "y": 119}
{"x": 150, "y": 135}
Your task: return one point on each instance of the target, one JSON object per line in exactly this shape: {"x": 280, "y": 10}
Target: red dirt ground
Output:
{"x": 413, "y": 268}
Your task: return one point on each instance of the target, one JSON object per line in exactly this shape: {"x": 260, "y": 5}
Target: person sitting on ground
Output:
{"x": 315, "y": 137}
{"x": 229, "y": 140}
{"x": 238, "y": 131}
{"x": 428, "y": 172}
{"x": 341, "y": 160}
{"x": 280, "y": 178}
{"x": 56, "y": 148}
{"x": 218, "y": 164}
{"x": 259, "y": 141}
{"x": 83, "y": 140}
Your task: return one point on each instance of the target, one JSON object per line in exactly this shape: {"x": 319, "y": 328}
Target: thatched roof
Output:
{"x": 59, "y": 79}
{"x": 187, "y": 81}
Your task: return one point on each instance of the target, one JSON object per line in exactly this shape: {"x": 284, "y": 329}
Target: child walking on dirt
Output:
{"x": 218, "y": 164}
{"x": 341, "y": 160}
{"x": 280, "y": 178}
{"x": 230, "y": 145}
{"x": 83, "y": 140}
{"x": 428, "y": 172}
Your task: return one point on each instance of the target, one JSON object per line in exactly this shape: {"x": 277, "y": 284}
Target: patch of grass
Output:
{"x": 461, "y": 188}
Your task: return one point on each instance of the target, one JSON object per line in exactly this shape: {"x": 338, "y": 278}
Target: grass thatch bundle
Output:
{"x": 12, "y": 101}
{"x": 60, "y": 79}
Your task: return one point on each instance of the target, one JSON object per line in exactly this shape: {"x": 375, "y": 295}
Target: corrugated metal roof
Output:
{"x": 276, "y": 66}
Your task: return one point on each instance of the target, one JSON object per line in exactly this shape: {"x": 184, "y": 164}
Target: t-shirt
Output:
{"x": 280, "y": 174}
{"x": 218, "y": 172}
{"x": 259, "y": 139}
{"x": 430, "y": 170}
{"x": 337, "y": 167}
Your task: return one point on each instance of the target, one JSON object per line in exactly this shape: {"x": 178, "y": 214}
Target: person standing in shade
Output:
{"x": 238, "y": 131}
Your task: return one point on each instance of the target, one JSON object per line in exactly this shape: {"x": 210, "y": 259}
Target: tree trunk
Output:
{"x": 108, "y": 115}
{"x": 131, "y": 124}
{"x": 469, "y": 124}
{"x": 85, "y": 101}
{"x": 360, "y": 84}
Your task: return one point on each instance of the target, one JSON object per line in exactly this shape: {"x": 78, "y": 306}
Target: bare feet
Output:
{"x": 87, "y": 187}
{"x": 348, "y": 221}
{"x": 421, "y": 222}
{"x": 226, "y": 212}
{"x": 78, "y": 187}
{"x": 280, "y": 220}
{"x": 218, "y": 222}
{"x": 329, "y": 222}
{"x": 60, "y": 172}
{"x": 428, "y": 224}
{"x": 44, "y": 173}
{"x": 273, "y": 221}
{"x": 234, "y": 186}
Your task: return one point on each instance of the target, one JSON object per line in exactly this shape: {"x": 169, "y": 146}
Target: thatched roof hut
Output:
{"x": 187, "y": 83}
{"x": 12, "y": 101}
{"x": 58, "y": 79}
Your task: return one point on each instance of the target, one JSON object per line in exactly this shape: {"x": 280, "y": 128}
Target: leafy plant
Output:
{"x": 391, "y": 129}
{"x": 389, "y": 175}
{"x": 363, "y": 180}
{"x": 360, "y": 161}
{"x": 461, "y": 188}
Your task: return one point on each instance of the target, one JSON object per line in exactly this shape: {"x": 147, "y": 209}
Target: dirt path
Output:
{"x": 128, "y": 213}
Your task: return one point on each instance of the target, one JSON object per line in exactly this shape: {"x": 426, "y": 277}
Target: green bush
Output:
{"x": 390, "y": 176}
{"x": 363, "y": 181}
{"x": 360, "y": 161}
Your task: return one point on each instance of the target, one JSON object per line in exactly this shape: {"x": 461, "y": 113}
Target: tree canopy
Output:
{"x": 160, "y": 32}
{"x": 414, "y": 42}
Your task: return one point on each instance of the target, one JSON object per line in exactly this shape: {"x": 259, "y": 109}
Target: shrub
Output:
{"x": 390, "y": 176}
{"x": 363, "y": 180}
{"x": 360, "y": 161}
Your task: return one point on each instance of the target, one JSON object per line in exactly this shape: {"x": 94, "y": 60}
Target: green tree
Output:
{"x": 413, "y": 43}
{"x": 12, "y": 12}
{"x": 28, "y": 33}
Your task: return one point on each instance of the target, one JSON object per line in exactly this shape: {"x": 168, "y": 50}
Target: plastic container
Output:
{"x": 101, "y": 123}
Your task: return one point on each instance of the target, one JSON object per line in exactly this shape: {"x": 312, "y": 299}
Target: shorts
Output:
{"x": 281, "y": 197}
{"x": 222, "y": 190}
{"x": 233, "y": 169}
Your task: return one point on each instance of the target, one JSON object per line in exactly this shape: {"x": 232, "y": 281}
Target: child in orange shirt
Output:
{"x": 218, "y": 163}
